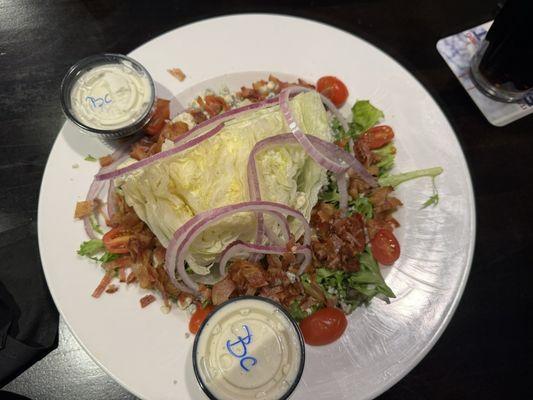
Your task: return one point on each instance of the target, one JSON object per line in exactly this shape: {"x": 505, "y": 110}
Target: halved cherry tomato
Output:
{"x": 324, "y": 326}
{"x": 333, "y": 89}
{"x": 160, "y": 114}
{"x": 385, "y": 247}
{"x": 378, "y": 136}
{"x": 116, "y": 241}
{"x": 198, "y": 317}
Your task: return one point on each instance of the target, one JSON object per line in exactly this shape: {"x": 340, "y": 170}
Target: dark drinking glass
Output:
{"x": 502, "y": 68}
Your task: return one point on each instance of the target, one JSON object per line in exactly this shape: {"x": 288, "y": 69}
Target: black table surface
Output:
{"x": 486, "y": 350}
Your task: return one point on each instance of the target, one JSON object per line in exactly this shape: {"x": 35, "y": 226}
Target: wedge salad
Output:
{"x": 269, "y": 191}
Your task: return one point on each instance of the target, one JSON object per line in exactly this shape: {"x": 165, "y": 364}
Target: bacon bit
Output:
{"x": 141, "y": 149}
{"x": 357, "y": 186}
{"x": 250, "y": 94}
{"x": 272, "y": 293}
{"x": 177, "y": 73}
{"x": 279, "y": 85}
{"x": 197, "y": 115}
{"x": 131, "y": 278}
{"x": 374, "y": 225}
{"x": 222, "y": 290}
{"x": 363, "y": 153}
{"x": 200, "y": 102}
{"x": 84, "y": 209}
{"x": 339, "y": 240}
{"x": 382, "y": 202}
{"x": 259, "y": 86}
{"x": 105, "y": 161}
{"x": 146, "y": 300}
{"x": 111, "y": 289}
{"x": 214, "y": 105}
{"x": 205, "y": 292}
{"x": 122, "y": 274}
{"x": 247, "y": 274}
{"x": 106, "y": 280}
{"x": 172, "y": 130}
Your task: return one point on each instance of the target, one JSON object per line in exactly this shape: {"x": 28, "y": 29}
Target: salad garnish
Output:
{"x": 269, "y": 191}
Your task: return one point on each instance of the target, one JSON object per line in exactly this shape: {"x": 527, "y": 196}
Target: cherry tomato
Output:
{"x": 160, "y": 114}
{"x": 198, "y": 317}
{"x": 378, "y": 136}
{"x": 116, "y": 241}
{"x": 333, "y": 89}
{"x": 324, "y": 326}
{"x": 385, "y": 247}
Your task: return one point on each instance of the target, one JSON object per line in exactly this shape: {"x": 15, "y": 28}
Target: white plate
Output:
{"x": 146, "y": 351}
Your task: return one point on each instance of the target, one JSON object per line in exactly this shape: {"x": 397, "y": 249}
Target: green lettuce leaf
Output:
{"x": 362, "y": 206}
{"x": 353, "y": 289}
{"x": 364, "y": 117}
{"x": 395, "y": 180}
{"x": 91, "y": 247}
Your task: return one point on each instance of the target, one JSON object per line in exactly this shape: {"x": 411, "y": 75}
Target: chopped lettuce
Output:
{"x": 395, "y": 180}
{"x": 364, "y": 117}
{"x": 168, "y": 193}
{"x": 338, "y": 131}
{"x": 362, "y": 206}
{"x": 107, "y": 257}
{"x": 90, "y": 158}
{"x": 296, "y": 311}
{"x": 434, "y": 199}
{"x": 95, "y": 246}
{"x": 91, "y": 247}
{"x": 353, "y": 289}
{"x": 387, "y": 154}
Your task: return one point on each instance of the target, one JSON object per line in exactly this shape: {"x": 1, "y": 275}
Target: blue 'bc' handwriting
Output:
{"x": 239, "y": 349}
{"x": 98, "y": 101}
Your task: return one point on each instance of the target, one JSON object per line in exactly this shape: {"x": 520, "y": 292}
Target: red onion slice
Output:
{"x": 313, "y": 152}
{"x": 238, "y": 246}
{"x": 322, "y": 156}
{"x": 159, "y": 156}
{"x": 342, "y": 185}
{"x": 255, "y": 193}
{"x": 183, "y": 139}
{"x": 328, "y": 148}
{"x": 185, "y": 235}
{"x": 94, "y": 190}
{"x": 96, "y": 187}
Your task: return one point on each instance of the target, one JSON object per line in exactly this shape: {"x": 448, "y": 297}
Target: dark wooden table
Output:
{"x": 486, "y": 351}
